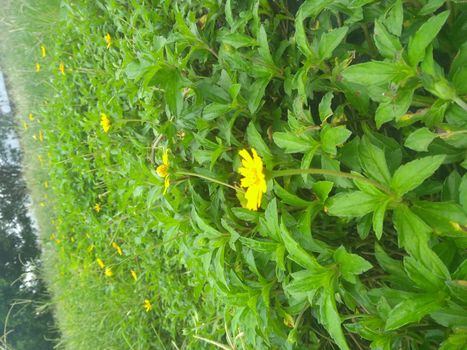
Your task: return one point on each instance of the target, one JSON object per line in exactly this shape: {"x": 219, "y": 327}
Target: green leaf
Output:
{"x": 256, "y": 141}
{"x": 322, "y": 189}
{"x": 378, "y": 218}
{"x": 395, "y": 18}
{"x": 412, "y": 174}
{"x": 394, "y": 107}
{"x": 330, "y": 318}
{"x": 446, "y": 218}
{"x": 412, "y": 310}
{"x": 329, "y": 41}
{"x": 297, "y": 253}
{"x": 430, "y": 7}
{"x": 272, "y": 219}
{"x": 324, "y": 108}
{"x": 256, "y": 93}
{"x": 237, "y": 40}
{"x": 352, "y": 204}
{"x": 333, "y": 136}
{"x": 387, "y": 44}
{"x": 289, "y": 198}
{"x": 264, "y": 46}
{"x": 350, "y": 265}
{"x": 259, "y": 246}
{"x": 375, "y": 73}
{"x": 424, "y": 36}
{"x": 457, "y": 340}
{"x": 373, "y": 161}
{"x": 292, "y": 143}
{"x": 420, "y": 139}
{"x": 300, "y": 37}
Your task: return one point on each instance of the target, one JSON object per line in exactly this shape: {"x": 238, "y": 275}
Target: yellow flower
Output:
{"x": 25, "y": 126}
{"x": 253, "y": 178}
{"x": 38, "y": 67}
{"x": 134, "y": 275}
{"x": 91, "y": 248}
{"x": 108, "y": 40}
{"x": 43, "y": 52}
{"x": 163, "y": 170}
{"x": 41, "y": 136}
{"x": 117, "y": 248}
{"x": 108, "y": 272}
{"x": 61, "y": 68}
{"x": 97, "y": 207}
{"x": 31, "y": 118}
{"x": 147, "y": 305}
{"x": 105, "y": 122}
{"x": 46, "y": 184}
{"x": 100, "y": 263}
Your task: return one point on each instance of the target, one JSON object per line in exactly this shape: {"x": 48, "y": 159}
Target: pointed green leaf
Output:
{"x": 329, "y": 41}
{"x": 412, "y": 174}
{"x": 352, "y": 204}
{"x": 420, "y": 139}
{"x": 424, "y": 36}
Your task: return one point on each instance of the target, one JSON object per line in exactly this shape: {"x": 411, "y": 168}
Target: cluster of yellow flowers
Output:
{"x": 105, "y": 122}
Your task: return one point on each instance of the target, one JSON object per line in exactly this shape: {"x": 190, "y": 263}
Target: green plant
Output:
{"x": 357, "y": 110}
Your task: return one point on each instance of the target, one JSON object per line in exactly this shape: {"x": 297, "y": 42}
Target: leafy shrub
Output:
{"x": 357, "y": 110}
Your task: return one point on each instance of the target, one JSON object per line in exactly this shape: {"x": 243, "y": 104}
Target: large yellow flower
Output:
{"x": 253, "y": 178}
{"x": 163, "y": 170}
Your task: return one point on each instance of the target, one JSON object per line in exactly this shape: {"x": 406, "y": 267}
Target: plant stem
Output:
{"x": 290, "y": 172}
{"x": 208, "y": 178}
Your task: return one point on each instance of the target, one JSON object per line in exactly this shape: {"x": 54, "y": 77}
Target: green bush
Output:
{"x": 357, "y": 111}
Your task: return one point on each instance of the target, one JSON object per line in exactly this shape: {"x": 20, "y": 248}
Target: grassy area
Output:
{"x": 247, "y": 175}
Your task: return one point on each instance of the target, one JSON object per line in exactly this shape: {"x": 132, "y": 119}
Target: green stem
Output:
{"x": 290, "y": 172}
{"x": 211, "y": 179}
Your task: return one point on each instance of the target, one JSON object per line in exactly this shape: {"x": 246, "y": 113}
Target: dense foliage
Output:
{"x": 357, "y": 110}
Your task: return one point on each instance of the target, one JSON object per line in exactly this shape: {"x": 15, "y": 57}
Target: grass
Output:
{"x": 139, "y": 111}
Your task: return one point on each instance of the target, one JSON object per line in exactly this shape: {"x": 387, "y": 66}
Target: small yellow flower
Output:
{"x": 147, "y": 305}
{"x": 105, "y": 122}
{"x": 43, "y": 52}
{"x": 38, "y": 67}
{"x": 41, "y": 136}
{"x": 253, "y": 178}
{"x": 25, "y": 126}
{"x": 46, "y": 184}
{"x": 97, "y": 207}
{"x": 117, "y": 248}
{"x": 108, "y": 272}
{"x": 163, "y": 170}
{"x": 61, "y": 68}
{"x": 100, "y": 263}
{"x": 108, "y": 40}
{"x": 134, "y": 275}
{"x": 91, "y": 248}
{"x": 31, "y": 118}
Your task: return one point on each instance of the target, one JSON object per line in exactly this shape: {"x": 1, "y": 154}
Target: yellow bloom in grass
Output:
{"x": 46, "y": 184}
{"x": 38, "y": 67}
{"x": 108, "y": 40}
{"x": 100, "y": 263}
{"x": 43, "y": 52}
{"x": 25, "y": 126}
{"x": 61, "y": 68}
{"x": 253, "y": 178}
{"x": 97, "y": 207}
{"x": 31, "y": 118}
{"x": 147, "y": 305}
{"x": 134, "y": 275}
{"x": 91, "y": 248}
{"x": 108, "y": 272}
{"x": 163, "y": 170}
{"x": 41, "y": 136}
{"x": 117, "y": 248}
{"x": 105, "y": 122}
